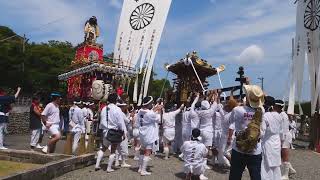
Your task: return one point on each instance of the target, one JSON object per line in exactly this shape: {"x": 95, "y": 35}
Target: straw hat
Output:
{"x": 255, "y": 95}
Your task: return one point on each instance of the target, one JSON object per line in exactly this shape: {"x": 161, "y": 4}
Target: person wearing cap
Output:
{"x": 241, "y": 116}
{"x": 148, "y": 117}
{"x": 111, "y": 118}
{"x": 286, "y": 140}
{"x": 194, "y": 156}
{"x": 78, "y": 125}
{"x": 5, "y": 107}
{"x": 271, "y": 143}
{"x": 51, "y": 118}
{"x": 169, "y": 120}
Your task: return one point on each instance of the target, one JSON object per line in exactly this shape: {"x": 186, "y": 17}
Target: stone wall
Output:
{"x": 19, "y": 120}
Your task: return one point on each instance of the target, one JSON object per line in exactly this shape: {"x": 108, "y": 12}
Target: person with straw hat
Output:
{"x": 242, "y": 116}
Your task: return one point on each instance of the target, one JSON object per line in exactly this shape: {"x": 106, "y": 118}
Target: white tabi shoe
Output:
{"x": 3, "y": 148}
{"x": 39, "y": 146}
{"x": 110, "y": 170}
{"x": 144, "y": 171}
{"x": 202, "y": 177}
{"x": 291, "y": 170}
{"x": 125, "y": 165}
{"x": 45, "y": 150}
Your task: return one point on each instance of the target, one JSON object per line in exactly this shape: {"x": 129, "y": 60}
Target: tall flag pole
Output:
{"x": 306, "y": 47}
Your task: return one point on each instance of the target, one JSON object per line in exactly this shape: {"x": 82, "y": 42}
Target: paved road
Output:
{"x": 307, "y": 164}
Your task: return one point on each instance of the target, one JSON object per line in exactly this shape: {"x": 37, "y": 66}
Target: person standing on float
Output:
{"x": 148, "y": 118}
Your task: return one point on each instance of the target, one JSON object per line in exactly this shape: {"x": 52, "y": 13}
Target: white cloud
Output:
{"x": 66, "y": 19}
{"x": 115, "y": 3}
{"x": 251, "y": 54}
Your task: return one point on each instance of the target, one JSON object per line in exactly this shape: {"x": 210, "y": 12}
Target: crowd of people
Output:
{"x": 254, "y": 133}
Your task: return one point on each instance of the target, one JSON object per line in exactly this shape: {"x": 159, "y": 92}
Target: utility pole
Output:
{"x": 23, "y": 49}
{"x": 262, "y": 80}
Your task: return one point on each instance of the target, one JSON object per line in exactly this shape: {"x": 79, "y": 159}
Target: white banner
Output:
{"x": 306, "y": 46}
{"x": 139, "y": 33}
{"x": 140, "y": 29}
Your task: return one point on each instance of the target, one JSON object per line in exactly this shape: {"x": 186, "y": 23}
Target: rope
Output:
{"x": 165, "y": 82}
{"x": 35, "y": 29}
{"x": 224, "y": 94}
{"x": 194, "y": 69}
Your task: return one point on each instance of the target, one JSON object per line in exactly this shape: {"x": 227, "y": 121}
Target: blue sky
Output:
{"x": 255, "y": 34}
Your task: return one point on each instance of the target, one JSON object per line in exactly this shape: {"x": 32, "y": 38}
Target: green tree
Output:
{"x": 37, "y": 68}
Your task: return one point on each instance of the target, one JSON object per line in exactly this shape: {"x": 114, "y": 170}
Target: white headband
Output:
{"x": 77, "y": 102}
{"x": 144, "y": 104}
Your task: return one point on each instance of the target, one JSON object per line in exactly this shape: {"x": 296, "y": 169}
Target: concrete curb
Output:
{"x": 55, "y": 168}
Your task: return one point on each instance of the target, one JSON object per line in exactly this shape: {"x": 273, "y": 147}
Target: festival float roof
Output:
{"x": 89, "y": 58}
{"x": 202, "y": 67}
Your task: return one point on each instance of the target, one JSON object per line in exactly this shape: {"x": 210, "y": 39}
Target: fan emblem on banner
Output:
{"x": 142, "y": 16}
{"x": 312, "y": 15}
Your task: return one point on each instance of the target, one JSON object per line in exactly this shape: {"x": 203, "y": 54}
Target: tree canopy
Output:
{"x": 36, "y": 69}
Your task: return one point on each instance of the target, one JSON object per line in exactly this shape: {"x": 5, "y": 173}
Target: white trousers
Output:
{"x": 35, "y": 135}
{"x": 2, "y": 129}
{"x": 207, "y": 138}
{"x": 123, "y": 148}
{"x": 76, "y": 139}
{"x": 270, "y": 173}
{"x": 222, "y": 150}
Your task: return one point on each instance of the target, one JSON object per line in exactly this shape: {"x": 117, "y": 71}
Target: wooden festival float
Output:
{"x": 90, "y": 65}
{"x": 92, "y": 76}
{"x": 192, "y": 73}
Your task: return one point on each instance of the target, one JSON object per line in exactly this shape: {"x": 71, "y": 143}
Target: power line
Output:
{"x": 35, "y": 29}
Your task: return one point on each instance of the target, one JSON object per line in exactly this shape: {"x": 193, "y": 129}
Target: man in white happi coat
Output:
{"x": 111, "y": 118}
{"x": 136, "y": 136}
{"x": 286, "y": 140}
{"x": 148, "y": 118}
{"x": 194, "y": 156}
{"x": 190, "y": 121}
{"x": 78, "y": 125}
{"x": 224, "y": 113}
{"x": 123, "y": 150}
{"x": 169, "y": 120}
{"x": 271, "y": 145}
